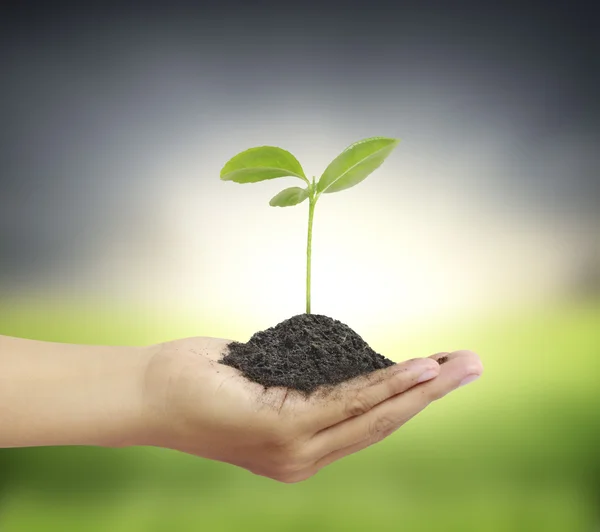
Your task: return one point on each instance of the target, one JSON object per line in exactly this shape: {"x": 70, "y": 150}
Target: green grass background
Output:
{"x": 519, "y": 450}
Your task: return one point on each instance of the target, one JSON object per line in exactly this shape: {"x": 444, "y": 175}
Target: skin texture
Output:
{"x": 176, "y": 395}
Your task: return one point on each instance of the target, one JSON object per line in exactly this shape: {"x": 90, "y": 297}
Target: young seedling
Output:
{"x": 349, "y": 168}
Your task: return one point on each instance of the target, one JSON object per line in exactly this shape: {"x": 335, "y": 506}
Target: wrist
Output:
{"x": 124, "y": 413}
{"x": 178, "y": 392}
{"x": 158, "y": 423}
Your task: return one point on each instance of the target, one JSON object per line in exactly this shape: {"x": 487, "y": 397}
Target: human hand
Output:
{"x": 201, "y": 407}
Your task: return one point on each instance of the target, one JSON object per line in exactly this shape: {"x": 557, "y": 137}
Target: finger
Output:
{"x": 440, "y": 358}
{"x": 389, "y": 415}
{"x": 360, "y": 395}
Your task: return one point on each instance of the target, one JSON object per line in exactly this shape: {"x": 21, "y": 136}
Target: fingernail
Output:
{"x": 427, "y": 376}
{"x": 468, "y": 380}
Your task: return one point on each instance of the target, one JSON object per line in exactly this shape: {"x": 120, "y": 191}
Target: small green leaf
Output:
{"x": 355, "y": 163}
{"x": 289, "y": 196}
{"x": 263, "y": 162}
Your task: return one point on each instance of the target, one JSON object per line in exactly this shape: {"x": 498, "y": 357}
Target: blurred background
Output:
{"x": 479, "y": 232}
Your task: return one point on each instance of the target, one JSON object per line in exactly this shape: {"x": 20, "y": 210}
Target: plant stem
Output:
{"x": 312, "y": 200}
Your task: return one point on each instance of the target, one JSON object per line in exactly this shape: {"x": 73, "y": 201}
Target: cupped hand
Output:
{"x": 196, "y": 405}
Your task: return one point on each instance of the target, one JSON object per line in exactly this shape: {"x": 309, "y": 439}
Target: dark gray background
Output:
{"x": 91, "y": 93}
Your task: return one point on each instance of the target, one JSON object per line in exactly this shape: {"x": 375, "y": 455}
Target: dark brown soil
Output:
{"x": 304, "y": 352}
{"x": 442, "y": 360}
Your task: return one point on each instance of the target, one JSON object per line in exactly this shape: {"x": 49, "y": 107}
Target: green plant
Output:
{"x": 349, "y": 168}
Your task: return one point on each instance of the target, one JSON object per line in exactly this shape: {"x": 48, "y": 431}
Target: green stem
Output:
{"x": 312, "y": 200}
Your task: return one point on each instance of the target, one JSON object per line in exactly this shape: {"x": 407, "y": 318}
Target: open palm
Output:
{"x": 209, "y": 409}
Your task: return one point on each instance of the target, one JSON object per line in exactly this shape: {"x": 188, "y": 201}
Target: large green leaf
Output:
{"x": 263, "y": 162}
{"x": 355, "y": 163}
{"x": 289, "y": 196}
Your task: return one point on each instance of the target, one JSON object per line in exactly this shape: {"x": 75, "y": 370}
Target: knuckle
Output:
{"x": 380, "y": 427}
{"x": 358, "y": 404}
{"x": 379, "y": 436}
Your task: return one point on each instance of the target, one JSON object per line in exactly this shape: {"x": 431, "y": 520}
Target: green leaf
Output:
{"x": 355, "y": 163}
{"x": 263, "y": 162}
{"x": 289, "y": 196}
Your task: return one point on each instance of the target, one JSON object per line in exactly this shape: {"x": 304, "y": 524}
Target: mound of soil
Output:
{"x": 304, "y": 352}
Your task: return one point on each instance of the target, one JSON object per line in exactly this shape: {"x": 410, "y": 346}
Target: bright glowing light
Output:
{"x": 403, "y": 245}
